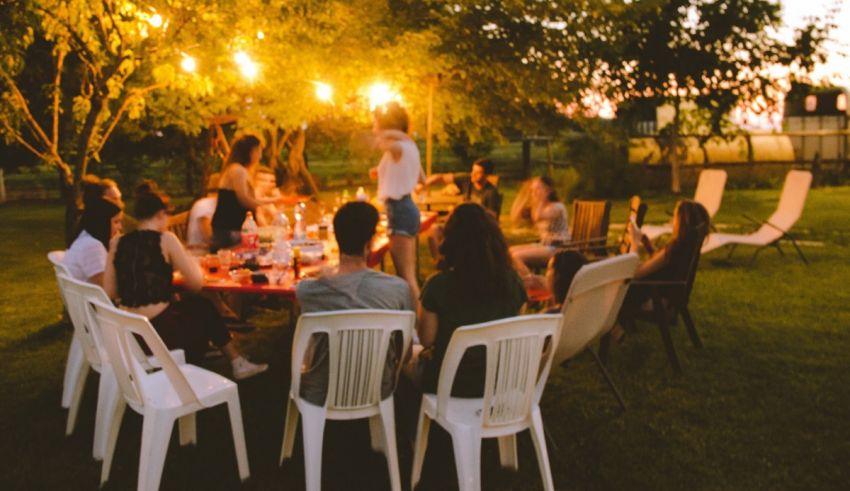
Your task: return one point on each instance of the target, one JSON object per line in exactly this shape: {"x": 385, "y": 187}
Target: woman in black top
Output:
{"x": 139, "y": 274}
{"x": 236, "y": 193}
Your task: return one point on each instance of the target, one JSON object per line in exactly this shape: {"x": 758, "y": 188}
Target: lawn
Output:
{"x": 764, "y": 405}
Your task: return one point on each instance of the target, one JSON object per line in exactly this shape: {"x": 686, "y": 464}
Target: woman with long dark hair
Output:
{"x": 139, "y": 275}
{"x": 236, "y": 193}
{"x": 475, "y": 283}
{"x": 100, "y": 222}
{"x": 398, "y": 173}
{"x": 549, "y": 216}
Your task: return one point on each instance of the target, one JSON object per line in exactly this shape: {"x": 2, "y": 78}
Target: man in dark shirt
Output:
{"x": 475, "y": 186}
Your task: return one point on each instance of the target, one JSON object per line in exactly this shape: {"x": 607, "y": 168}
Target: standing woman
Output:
{"x": 236, "y": 193}
{"x": 398, "y": 173}
{"x": 549, "y": 216}
{"x": 139, "y": 274}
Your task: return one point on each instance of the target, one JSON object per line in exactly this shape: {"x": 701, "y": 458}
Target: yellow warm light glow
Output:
{"x": 155, "y": 21}
{"x": 261, "y": 35}
{"x": 324, "y": 92}
{"x": 188, "y": 64}
{"x": 247, "y": 66}
{"x": 380, "y": 94}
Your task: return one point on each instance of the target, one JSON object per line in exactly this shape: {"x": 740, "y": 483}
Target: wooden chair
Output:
{"x": 179, "y": 225}
{"x": 670, "y": 300}
{"x": 589, "y": 231}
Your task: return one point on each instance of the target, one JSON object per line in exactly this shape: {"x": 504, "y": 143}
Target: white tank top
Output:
{"x": 397, "y": 178}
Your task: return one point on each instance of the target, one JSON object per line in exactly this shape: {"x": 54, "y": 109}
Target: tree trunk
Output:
{"x": 675, "y": 154}
{"x": 70, "y": 197}
{"x": 297, "y": 166}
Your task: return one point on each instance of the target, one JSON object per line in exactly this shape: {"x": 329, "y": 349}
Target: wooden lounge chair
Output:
{"x": 775, "y": 228}
{"x": 589, "y": 230}
{"x": 709, "y": 194}
{"x": 179, "y": 225}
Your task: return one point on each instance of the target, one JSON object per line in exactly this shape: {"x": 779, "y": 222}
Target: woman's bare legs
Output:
{"x": 403, "y": 252}
{"x": 530, "y": 256}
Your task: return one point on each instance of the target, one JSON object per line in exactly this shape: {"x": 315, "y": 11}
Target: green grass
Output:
{"x": 763, "y": 406}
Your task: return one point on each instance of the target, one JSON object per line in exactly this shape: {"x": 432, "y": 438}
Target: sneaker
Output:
{"x": 243, "y": 368}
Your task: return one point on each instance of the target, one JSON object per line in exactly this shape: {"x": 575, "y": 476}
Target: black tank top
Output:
{"x": 143, "y": 277}
{"x": 229, "y": 213}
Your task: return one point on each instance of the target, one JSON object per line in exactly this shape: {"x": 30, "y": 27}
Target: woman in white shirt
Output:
{"x": 398, "y": 173}
{"x": 86, "y": 258}
{"x": 549, "y": 216}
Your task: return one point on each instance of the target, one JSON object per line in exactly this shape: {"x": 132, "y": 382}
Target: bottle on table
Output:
{"x": 250, "y": 233}
{"x": 296, "y": 262}
{"x": 300, "y": 227}
{"x": 361, "y": 195}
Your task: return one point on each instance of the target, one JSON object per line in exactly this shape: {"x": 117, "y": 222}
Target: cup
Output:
{"x": 225, "y": 259}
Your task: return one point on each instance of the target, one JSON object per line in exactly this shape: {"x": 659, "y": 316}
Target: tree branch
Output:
{"x": 24, "y": 143}
{"x": 116, "y": 118}
{"x": 22, "y": 102}
{"x": 57, "y": 99}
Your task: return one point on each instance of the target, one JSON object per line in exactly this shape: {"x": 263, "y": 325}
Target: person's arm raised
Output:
{"x": 175, "y": 253}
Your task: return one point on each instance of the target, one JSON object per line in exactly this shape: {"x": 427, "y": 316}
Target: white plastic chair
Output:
{"x": 777, "y": 227}
{"x": 174, "y": 393}
{"x": 358, "y": 342}
{"x": 75, "y": 358}
{"x": 591, "y": 307}
{"x": 511, "y": 403}
{"x": 709, "y": 194}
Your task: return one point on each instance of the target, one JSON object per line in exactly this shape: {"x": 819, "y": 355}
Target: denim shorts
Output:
{"x": 402, "y": 216}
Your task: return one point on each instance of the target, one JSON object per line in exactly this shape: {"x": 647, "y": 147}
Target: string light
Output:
{"x": 188, "y": 64}
{"x": 324, "y": 92}
{"x": 247, "y": 66}
{"x": 380, "y": 94}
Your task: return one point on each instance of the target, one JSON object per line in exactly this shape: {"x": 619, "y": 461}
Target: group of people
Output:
{"x": 478, "y": 279}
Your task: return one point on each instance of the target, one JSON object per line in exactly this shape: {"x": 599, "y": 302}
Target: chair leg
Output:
{"x": 692, "y": 330}
{"x": 755, "y": 255}
{"x": 76, "y": 358}
{"x": 376, "y": 436}
{"x": 419, "y": 447}
{"x": 507, "y": 452}
{"x": 608, "y": 379}
{"x": 187, "y": 429}
{"x": 797, "y": 248}
{"x": 604, "y": 349}
{"x": 779, "y": 248}
{"x": 108, "y": 396}
{"x": 234, "y": 410}
{"x": 112, "y": 435}
{"x": 156, "y": 434}
{"x": 539, "y": 441}
{"x": 387, "y": 420}
{"x": 731, "y": 251}
{"x": 79, "y": 380}
{"x": 467, "y": 448}
{"x": 661, "y": 320}
{"x": 313, "y": 432}
{"x": 289, "y": 429}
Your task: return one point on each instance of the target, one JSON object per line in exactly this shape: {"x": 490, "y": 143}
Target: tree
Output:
{"x": 711, "y": 54}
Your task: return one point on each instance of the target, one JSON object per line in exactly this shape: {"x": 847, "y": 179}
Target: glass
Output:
{"x": 225, "y": 259}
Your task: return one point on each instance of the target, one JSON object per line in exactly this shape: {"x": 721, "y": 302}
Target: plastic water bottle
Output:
{"x": 361, "y": 195}
{"x": 250, "y": 234}
{"x": 300, "y": 228}
{"x": 281, "y": 226}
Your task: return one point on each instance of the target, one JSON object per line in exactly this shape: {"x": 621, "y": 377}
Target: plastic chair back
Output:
{"x": 710, "y": 188}
{"x": 358, "y": 342}
{"x": 793, "y": 199}
{"x": 518, "y": 349}
{"x": 179, "y": 225}
{"x": 118, "y": 328}
{"x": 593, "y": 302}
{"x": 77, "y": 294}
{"x": 590, "y": 225}
{"x": 57, "y": 259}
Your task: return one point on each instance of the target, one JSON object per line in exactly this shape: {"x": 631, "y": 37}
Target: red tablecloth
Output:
{"x": 221, "y": 282}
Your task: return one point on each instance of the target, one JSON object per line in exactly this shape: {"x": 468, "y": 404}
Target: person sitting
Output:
{"x": 199, "y": 230}
{"x": 100, "y": 222}
{"x": 549, "y": 216}
{"x": 672, "y": 262}
{"x": 475, "y": 283}
{"x": 353, "y": 285}
{"x": 265, "y": 186}
{"x": 95, "y": 188}
{"x": 474, "y": 187}
{"x": 560, "y": 272}
{"x": 235, "y": 192}
{"x": 139, "y": 275}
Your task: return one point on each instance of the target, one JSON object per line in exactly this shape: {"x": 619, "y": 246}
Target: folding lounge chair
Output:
{"x": 775, "y": 228}
{"x": 709, "y": 194}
